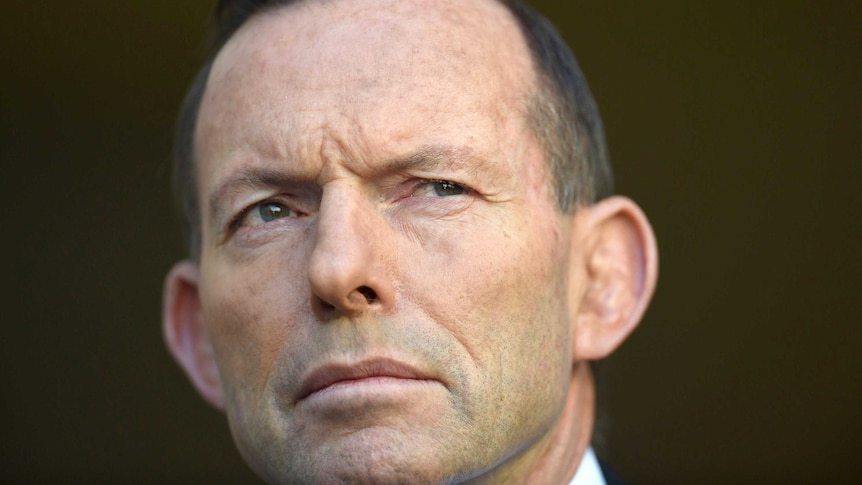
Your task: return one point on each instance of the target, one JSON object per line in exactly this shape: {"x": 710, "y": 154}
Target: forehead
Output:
{"x": 389, "y": 67}
{"x": 369, "y": 40}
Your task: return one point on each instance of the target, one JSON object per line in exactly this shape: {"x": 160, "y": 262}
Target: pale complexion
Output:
{"x": 386, "y": 291}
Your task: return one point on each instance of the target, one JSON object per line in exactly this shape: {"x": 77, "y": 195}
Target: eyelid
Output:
{"x": 427, "y": 183}
{"x": 237, "y": 220}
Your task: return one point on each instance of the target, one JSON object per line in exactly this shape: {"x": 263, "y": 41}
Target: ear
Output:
{"x": 186, "y": 334}
{"x": 619, "y": 260}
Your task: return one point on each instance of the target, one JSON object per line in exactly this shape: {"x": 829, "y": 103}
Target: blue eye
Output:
{"x": 444, "y": 188}
{"x": 271, "y": 211}
{"x": 438, "y": 188}
{"x": 265, "y": 212}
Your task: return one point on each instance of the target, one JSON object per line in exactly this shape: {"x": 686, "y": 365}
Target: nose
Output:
{"x": 348, "y": 265}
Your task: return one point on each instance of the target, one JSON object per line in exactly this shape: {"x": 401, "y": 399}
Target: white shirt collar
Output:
{"x": 589, "y": 472}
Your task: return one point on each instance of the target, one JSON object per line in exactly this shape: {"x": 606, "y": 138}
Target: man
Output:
{"x": 401, "y": 267}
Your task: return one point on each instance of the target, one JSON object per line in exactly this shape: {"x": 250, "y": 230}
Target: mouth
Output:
{"x": 367, "y": 371}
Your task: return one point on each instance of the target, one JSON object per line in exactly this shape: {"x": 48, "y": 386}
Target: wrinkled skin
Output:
{"x": 370, "y": 188}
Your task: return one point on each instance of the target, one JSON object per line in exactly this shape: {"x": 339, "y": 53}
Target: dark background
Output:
{"x": 734, "y": 124}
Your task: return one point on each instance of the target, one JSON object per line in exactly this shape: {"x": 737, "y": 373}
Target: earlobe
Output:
{"x": 185, "y": 332}
{"x": 620, "y": 263}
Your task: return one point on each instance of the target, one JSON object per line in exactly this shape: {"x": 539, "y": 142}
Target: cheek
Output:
{"x": 250, "y": 310}
{"x": 498, "y": 287}
{"x": 500, "y": 293}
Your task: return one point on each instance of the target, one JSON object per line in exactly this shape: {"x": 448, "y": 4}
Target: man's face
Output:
{"x": 383, "y": 273}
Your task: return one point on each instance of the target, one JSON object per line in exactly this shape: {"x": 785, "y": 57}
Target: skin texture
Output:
{"x": 348, "y": 115}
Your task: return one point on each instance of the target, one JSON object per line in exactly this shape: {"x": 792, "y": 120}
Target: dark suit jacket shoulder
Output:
{"x": 611, "y": 477}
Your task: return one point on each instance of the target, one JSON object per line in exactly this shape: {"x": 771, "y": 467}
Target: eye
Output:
{"x": 270, "y": 211}
{"x": 264, "y": 212}
{"x": 439, "y": 188}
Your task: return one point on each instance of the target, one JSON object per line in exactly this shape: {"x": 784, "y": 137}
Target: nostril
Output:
{"x": 368, "y": 293}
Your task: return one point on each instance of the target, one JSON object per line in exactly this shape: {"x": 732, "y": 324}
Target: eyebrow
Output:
{"x": 246, "y": 178}
{"x": 433, "y": 158}
{"x": 428, "y": 158}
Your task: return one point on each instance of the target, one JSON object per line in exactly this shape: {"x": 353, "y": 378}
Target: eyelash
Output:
{"x": 430, "y": 183}
{"x": 237, "y": 220}
{"x": 455, "y": 185}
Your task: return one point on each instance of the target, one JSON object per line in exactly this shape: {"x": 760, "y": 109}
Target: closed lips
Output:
{"x": 327, "y": 375}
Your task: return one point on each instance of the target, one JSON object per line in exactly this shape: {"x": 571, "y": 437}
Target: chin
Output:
{"x": 373, "y": 455}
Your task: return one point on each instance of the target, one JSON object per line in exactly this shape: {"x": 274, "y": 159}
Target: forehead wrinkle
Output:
{"x": 341, "y": 54}
{"x": 451, "y": 31}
